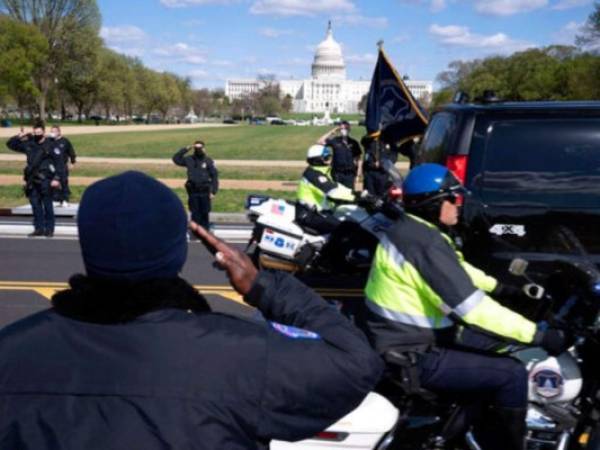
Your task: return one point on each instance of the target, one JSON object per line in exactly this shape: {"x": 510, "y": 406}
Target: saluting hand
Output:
{"x": 240, "y": 270}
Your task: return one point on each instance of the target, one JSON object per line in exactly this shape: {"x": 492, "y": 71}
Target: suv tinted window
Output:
{"x": 436, "y": 138}
{"x": 555, "y": 162}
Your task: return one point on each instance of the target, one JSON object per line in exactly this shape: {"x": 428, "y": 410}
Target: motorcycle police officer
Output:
{"x": 133, "y": 357}
{"x": 346, "y": 154}
{"x": 317, "y": 192}
{"x": 424, "y": 298}
{"x": 43, "y": 173}
{"x": 202, "y": 181}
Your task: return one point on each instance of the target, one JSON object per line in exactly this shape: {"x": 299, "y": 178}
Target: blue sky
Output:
{"x": 212, "y": 40}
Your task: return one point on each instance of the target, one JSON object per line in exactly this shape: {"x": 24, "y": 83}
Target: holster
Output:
{"x": 403, "y": 367}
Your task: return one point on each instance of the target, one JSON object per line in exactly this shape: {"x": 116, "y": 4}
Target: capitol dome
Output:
{"x": 329, "y": 62}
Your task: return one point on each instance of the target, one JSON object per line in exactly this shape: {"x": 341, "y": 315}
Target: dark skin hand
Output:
{"x": 240, "y": 270}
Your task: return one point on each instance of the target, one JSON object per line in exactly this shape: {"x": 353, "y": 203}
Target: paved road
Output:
{"x": 31, "y": 270}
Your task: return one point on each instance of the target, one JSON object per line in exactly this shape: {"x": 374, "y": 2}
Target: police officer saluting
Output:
{"x": 44, "y": 170}
{"x": 346, "y": 154}
{"x": 202, "y": 183}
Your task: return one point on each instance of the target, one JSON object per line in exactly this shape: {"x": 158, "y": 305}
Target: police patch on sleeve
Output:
{"x": 322, "y": 179}
{"x": 293, "y": 332}
{"x": 57, "y": 151}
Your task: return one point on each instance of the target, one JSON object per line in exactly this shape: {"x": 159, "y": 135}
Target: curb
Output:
{"x": 25, "y": 211}
{"x": 231, "y": 235}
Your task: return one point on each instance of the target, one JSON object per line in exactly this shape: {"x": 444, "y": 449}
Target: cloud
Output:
{"x": 508, "y": 7}
{"x": 187, "y": 3}
{"x": 123, "y": 34}
{"x": 301, "y": 7}
{"x": 273, "y": 32}
{"x": 221, "y": 63}
{"x": 568, "y": 4}
{"x": 356, "y": 20}
{"x": 401, "y": 38}
{"x": 459, "y": 36}
{"x": 365, "y": 58}
{"x": 138, "y": 52}
{"x": 434, "y": 5}
{"x": 566, "y": 35}
{"x": 182, "y": 52}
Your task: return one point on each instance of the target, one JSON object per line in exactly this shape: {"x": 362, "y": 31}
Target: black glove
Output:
{"x": 554, "y": 341}
{"x": 507, "y": 291}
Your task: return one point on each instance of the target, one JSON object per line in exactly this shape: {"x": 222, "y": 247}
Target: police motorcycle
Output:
{"x": 280, "y": 242}
{"x": 564, "y": 391}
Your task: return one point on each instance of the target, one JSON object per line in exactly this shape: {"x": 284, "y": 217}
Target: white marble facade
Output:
{"x": 327, "y": 89}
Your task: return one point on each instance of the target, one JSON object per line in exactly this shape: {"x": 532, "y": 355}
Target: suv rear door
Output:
{"x": 529, "y": 174}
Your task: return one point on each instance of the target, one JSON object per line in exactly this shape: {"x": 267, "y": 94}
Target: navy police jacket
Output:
{"x": 172, "y": 379}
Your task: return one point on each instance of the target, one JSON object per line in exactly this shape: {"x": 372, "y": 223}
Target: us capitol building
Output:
{"x": 328, "y": 89}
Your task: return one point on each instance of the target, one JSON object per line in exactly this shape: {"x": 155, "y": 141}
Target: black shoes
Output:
{"x": 37, "y": 233}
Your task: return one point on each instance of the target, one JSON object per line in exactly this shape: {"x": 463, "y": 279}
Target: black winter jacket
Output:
{"x": 43, "y": 163}
{"x": 175, "y": 379}
{"x": 201, "y": 172}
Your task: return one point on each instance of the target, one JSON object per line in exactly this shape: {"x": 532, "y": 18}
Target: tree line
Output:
{"x": 556, "y": 72}
{"x": 52, "y": 58}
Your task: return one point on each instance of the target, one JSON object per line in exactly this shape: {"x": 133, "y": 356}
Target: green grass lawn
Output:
{"x": 264, "y": 142}
{"x": 229, "y": 200}
{"x": 163, "y": 171}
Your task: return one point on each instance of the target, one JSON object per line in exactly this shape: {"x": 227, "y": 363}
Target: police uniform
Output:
{"x": 43, "y": 166}
{"x": 202, "y": 181}
{"x": 67, "y": 152}
{"x": 422, "y": 295}
{"x": 343, "y": 166}
{"x": 375, "y": 178}
{"x": 317, "y": 190}
{"x": 177, "y": 379}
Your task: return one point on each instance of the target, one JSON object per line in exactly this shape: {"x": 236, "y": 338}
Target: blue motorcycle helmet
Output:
{"x": 425, "y": 188}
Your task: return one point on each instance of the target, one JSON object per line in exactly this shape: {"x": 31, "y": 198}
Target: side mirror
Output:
{"x": 518, "y": 267}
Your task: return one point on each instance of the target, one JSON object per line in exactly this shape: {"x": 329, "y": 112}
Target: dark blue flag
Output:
{"x": 392, "y": 111}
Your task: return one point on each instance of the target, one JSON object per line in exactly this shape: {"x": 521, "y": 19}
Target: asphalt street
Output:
{"x": 33, "y": 269}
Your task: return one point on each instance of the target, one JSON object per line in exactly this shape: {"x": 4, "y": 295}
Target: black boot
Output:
{"x": 502, "y": 429}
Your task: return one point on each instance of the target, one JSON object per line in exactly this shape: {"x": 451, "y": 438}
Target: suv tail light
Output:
{"x": 457, "y": 164}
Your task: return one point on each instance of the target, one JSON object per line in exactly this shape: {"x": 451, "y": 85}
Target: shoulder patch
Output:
{"x": 293, "y": 332}
{"x": 322, "y": 179}
{"x": 204, "y": 165}
{"x": 57, "y": 151}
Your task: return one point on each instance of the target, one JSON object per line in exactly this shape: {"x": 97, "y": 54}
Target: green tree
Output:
{"x": 590, "y": 36}
{"x": 22, "y": 49}
{"x": 114, "y": 80}
{"x": 61, "y": 22}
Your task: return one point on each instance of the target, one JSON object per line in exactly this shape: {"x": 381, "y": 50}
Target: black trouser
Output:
{"x": 320, "y": 222}
{"x": 199, "y": 204}
{"x": 64, "y": 193}
{"x": 344, "y": 177}
{"x": 375, "y": 182}
{"x": 40, "y": 197}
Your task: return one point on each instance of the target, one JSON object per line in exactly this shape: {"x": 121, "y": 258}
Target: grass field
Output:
{"x": 229, "y": 200}
{"x": 163, "y": 171}
{"x": 265, "y": 142}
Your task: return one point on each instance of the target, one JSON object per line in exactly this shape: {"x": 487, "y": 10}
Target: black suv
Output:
{"x": 533, "y": 169}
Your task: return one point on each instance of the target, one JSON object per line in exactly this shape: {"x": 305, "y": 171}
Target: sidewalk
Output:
{"x": 71, "y": 130}
{"x": 402, "y": 165}
{"x": 258, "y": 185}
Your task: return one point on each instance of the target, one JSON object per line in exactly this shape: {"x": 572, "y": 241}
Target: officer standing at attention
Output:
{"x": 133, "y": 357}
{"x": 64, "y": 146}
{"x": 424, "y": 298}
{"x": 202, "y": 181}
{"x": 43, "y": 173}
{"x": 346, "y": 154}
